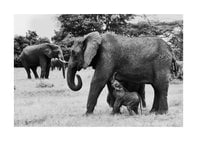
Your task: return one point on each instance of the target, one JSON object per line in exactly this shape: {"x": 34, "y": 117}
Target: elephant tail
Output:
{"x": 174, "y": 68}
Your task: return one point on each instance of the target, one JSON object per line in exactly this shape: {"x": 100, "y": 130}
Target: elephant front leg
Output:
{"x": 98, "y": 82}
{"x": 43, "y": 72}
{"x": 117, "y": 105}
{"x": 35, "y": 72}
{"x": 135, "y": 109}
{"x": 43, "y": 65}
{"x": 28, "y": 72}
{"x": 47, "y": 71}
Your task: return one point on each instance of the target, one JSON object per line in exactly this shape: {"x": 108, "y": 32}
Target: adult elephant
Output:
{"x": 40, "y": 55}
{"x": 140, "y": 60}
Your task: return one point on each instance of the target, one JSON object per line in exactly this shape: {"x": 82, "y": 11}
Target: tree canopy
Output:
{"x": 74, "y": 25}
{"x": 81, "y": 24}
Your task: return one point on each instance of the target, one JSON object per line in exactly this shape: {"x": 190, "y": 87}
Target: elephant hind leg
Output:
{"x": 135, "y": 109}
{"x": 142, "y": 94}
{"x": 160, "y": 104}
{"x": 163, "y": 104}
{"x": 117, "y": 105}
{"x": 155, "y": 106}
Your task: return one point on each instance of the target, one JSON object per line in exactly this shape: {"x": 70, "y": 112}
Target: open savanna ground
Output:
{"x": 51, "y": 103}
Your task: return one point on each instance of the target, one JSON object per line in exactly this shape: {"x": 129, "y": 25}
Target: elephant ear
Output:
{"x": 92, "y": 42}
{"x": 47, "y": 50}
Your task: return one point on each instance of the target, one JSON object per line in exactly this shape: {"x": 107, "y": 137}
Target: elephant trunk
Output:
{"x": 71, "y": 78}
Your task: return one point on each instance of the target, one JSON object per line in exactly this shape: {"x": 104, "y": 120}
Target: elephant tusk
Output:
{"x": 62, "y": 61}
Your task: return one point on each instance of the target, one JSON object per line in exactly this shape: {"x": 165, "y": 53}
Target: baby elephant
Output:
{"x": 129, "y": 99}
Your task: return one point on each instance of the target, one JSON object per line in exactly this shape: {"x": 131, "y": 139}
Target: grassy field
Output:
{"x": 51, "y": 103}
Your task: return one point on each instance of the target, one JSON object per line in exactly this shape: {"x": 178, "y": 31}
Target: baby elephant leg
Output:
{"x": 116, "y": 107}
{"x": 135, "y": 109}
{"x": 129, "y": 108}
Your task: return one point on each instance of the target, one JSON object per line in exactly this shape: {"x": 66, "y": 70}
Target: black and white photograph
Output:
{"x": 98, "y": 70}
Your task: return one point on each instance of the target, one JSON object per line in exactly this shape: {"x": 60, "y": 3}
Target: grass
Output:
{"x": 43, "y": 84}
{"x": 51, "y": 103}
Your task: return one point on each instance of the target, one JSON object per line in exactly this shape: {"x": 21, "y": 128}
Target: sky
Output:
{"x": 44, "y": 25}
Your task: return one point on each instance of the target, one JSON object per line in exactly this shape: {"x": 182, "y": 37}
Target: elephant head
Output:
{"x": 83, "y": 51}
{"x": 54, "y": 51}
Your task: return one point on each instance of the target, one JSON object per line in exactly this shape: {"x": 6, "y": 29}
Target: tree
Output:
{"x": 172, "y": 33}
{"x": 42, "y": 40}
{"x": 20, "y": 42}
{"x": 82, "y": 24}
{"x": 32, "y": 37}
{"x": 72, "y": 26}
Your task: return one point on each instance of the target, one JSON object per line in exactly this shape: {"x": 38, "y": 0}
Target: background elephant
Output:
{"x": 180, "y": 70}
{"x": 40, "y": 55}
{"x": 140, "y": 60}
{"x": 55, "y": 63}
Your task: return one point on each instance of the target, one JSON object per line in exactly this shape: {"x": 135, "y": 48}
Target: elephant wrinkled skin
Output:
{"x": 137, "y": 60}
